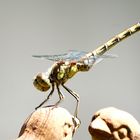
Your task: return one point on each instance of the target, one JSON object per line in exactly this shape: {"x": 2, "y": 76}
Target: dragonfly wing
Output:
{"x": 70, "y": 55}
{"x": 76, "y": 55}
{"x": 52, "y": 57}
{"x": 109, "y": 56}
{"x": 93, "y": 60}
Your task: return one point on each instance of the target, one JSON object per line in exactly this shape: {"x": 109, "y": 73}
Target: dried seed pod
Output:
{"x": 51, "y": 123}
{"x": 114, "y": 124}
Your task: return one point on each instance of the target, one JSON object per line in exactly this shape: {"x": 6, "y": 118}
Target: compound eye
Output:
{"x": 41, "y": 82}
{"x": 41, "y": 79}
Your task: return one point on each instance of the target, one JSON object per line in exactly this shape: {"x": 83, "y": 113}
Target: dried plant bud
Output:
{"x": 51, "y": 123}
{"x": 114, "y": 124}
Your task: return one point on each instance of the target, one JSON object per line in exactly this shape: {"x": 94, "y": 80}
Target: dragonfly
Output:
{"x": 66, "y": 65}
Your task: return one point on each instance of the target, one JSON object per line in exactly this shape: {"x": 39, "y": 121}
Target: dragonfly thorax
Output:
{"x": 62, "y": 71}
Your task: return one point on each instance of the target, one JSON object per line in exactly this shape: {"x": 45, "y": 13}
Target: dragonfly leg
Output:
{"x": 76, "y": 96}
{"x": 46, "y": 98}
{"x": 61, "y": 96}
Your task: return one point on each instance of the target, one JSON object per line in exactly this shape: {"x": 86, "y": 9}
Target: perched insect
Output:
{"x": 68, "y": 64}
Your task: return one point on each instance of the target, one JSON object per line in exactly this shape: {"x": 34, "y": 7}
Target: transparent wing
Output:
{"x": 68, "y": 56}
{"x": 75, "y": 55}
{"x": 93, "y": 60}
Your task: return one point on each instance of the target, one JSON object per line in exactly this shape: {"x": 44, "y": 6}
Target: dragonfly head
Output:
{"x": 42, "y": 82}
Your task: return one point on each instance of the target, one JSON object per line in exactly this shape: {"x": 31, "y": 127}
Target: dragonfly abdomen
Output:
{"x": 84, "y": 67}
{"x": 112, "y": 42}
{"x": 115, "y": 40}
